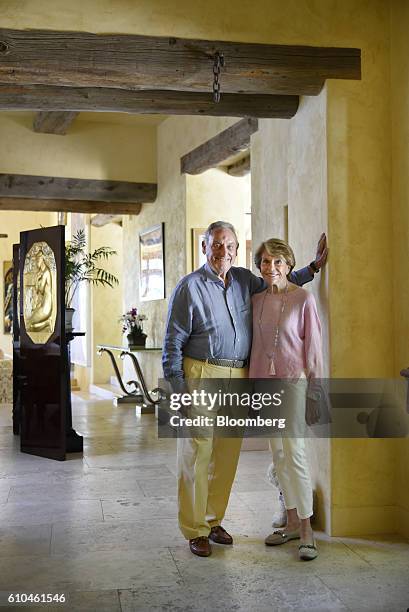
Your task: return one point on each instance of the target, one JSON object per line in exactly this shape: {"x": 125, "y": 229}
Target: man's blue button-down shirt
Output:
{"x": 207, "y": 319}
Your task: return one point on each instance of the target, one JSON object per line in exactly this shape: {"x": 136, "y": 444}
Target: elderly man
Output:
{"x": 208, "y": 335}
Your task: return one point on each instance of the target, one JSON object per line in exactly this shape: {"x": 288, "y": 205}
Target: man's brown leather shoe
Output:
{"x": 219, "y": 535}
{"x": 200, "y": 546}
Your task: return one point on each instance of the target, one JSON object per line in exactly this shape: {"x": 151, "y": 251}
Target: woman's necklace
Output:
{"x": 271, "y": 356}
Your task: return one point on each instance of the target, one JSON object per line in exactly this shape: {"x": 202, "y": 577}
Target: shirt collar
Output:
{"x": 212, "y": 276}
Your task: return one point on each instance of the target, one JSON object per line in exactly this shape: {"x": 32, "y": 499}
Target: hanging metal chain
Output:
{"x": 217, "y": 66}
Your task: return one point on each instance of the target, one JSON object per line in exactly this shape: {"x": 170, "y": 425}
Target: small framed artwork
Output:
{"x": 152, "y": 263}
{"x": 198, "y": 257}
{"x": 8, "y": 296}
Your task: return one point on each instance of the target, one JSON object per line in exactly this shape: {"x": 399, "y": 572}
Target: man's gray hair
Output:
{"x": 219, "y": 225}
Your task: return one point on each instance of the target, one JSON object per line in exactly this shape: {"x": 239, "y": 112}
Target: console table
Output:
{"x": 140, "y": 396}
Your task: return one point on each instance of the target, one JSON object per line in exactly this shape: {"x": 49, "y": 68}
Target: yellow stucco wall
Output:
{"x": 400, "y": 207}
{"x": 259, "y": 20}
{"x": 363, "y": 472}
{"x": 89, "y": 150}
{"x": 215, "y": 195}
{"x": 368, "y": 226}
{"x": 106, "y": 302}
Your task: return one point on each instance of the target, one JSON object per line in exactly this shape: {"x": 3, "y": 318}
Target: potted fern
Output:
{"x": 81, "y": 266}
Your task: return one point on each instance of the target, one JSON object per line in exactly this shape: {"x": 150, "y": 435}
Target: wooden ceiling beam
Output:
{"x": 239, "y": 168}
{"x": 213, "y": 152}
{"x": 101, "y": 220}
{"x": 50, "y": 188}
{"x": 105, "y": 99}
{"x": 81, "y": 59}
{"x": 53, "y": 122}
{"x": 75, "y": 206}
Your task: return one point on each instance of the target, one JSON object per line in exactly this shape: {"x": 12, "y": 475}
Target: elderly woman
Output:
{"x": 287, "y": 345}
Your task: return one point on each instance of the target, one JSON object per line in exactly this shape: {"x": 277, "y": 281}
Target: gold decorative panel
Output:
{"x": 40, "y": 292}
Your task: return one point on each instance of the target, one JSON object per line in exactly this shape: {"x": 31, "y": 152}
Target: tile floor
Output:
{"x": 102, "y": 529}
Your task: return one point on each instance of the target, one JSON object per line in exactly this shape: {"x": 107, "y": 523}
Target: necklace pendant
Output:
{"x": 272, "y": 370}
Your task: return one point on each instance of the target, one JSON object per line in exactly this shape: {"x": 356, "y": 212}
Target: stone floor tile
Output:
{"x": 25, "y": 540}
{"x": 373, "y": 590}
{"x": 381, "y": 553}
{"x": 260, "y": 501}
{"x": 7, "y": 440}
{"x": 251, "y": 483}
{"x": 90, "y": 601}
{"x": 139, "y": 536}
{"x": 229, "y": 563}
{"x": 117, "y": 569}
{"x": 130, "y": 508}
{"x": 187, "y": 599}
{"x": 68, "y": 471}
{"x": 50, "y": 512}
{"x": 88, "y": 487}
{"x": 238, "y": 593}
{"x": 23, "y": 465}
{"x": 80, "y": 601}
{"x": 159, "y": 487}
{"x": 128, "y": 459}
{"x": 250, "y": 555}
{"x": 4, "y": 490}
{"x": 258, "y": 458}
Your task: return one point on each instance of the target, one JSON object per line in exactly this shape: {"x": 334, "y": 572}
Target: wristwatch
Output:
{"x": 314, "y": 267}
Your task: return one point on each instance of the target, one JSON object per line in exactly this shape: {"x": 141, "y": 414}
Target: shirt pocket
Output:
{"x": 244, "y": 308}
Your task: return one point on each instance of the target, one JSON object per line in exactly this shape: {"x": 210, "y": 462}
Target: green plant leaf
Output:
{"x": 80, "y": 266}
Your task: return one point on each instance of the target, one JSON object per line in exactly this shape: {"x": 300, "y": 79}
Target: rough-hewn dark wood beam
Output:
{"x": 213, "y": 152}
{"x": 81, "y": 59}
{"x": 240, "y": 168}
{"x": 49, "y": 187}
{"x": 82, "y": 206}
{"x": 54, "y": 98}
{"x": 101, "y": 220}
{"x": 53, "y": 122}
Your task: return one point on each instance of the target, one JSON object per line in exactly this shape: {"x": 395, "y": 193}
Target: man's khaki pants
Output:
{"x": 206, "y": 465}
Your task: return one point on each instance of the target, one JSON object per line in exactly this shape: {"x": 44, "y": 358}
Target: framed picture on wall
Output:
{"x": 198, "y": 258}
{"x": 152, "y": 263}
{"x": 8, "y": 297}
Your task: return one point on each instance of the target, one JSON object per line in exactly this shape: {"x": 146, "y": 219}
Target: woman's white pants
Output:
{"x": 289, "y": 454}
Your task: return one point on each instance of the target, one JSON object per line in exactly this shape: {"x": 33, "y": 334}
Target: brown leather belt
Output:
{"x": 227, "y": 363}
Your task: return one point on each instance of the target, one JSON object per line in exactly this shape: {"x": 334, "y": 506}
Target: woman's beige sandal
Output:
{"x": 281, "y": 537}
{"x": 307, "y": 552}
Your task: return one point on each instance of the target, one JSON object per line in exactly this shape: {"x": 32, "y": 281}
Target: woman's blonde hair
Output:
{"x": 275, "y": 246}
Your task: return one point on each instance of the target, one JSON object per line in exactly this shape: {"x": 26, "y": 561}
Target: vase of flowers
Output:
{"x": 132, "y": 325}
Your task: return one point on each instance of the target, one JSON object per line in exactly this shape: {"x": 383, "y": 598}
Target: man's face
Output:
{"x": 221, "y": 251}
